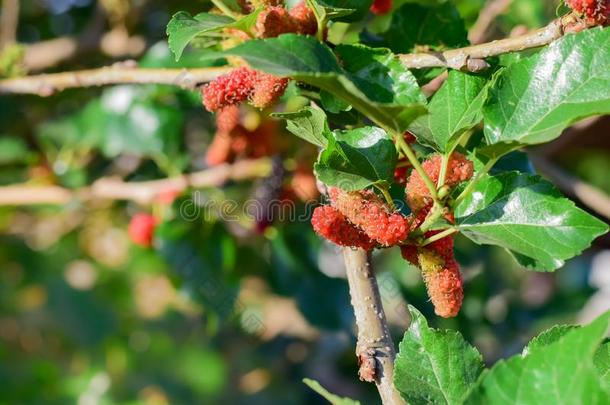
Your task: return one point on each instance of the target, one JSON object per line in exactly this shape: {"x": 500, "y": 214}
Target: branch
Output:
{"x": 144, "y": 192}
{"x": 590, "y": 196}
{"x": 471, "y": 57}
{"x": 9, "y": 20}
{"x": 487, "y": 17}
{"x": 47, "y": 84}
{"x": 375, "y": 349}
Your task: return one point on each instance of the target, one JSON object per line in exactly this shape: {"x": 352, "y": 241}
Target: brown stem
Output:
{"x": 47, "y": 84}
{"x": 375, "y": 349}
{"x": 144, "y": 192}
{"x": 464, "y": 58}
{"x": 487, "y": 17}
{"x": 9, "y": 20}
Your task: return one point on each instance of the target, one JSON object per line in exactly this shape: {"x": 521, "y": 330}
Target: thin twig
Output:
{"x": 486, "y": 18}
{"x": 590, "y": 196}
{"x": 143, "y": 192}
{"x": 375, "y": 349}
{"x": 48, "y": 84}
{"x": 470, "y": 58}
{"x": 462, "y": 58}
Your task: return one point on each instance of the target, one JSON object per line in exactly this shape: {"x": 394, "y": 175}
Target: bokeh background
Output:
{"x": 215, "y": 313}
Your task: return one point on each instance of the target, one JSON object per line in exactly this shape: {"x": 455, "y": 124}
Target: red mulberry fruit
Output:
{"x": 381, "y": 7}
{"x": 304, "y": 19}
{"x": 219, "y": 151}
{"x": 267, "y": 90}
{"x": 595, "y": 11}
{"x": 273, "y": 22}
{"x": 443, "y": 281}
{"x": 229, "y": 89}
{"x": 334, "y": 226}
{"x": 369, "y": 213}
{"x": 459, "y": 169}
{"x": 141, "y": 229}
{"x": 227, "y": 119}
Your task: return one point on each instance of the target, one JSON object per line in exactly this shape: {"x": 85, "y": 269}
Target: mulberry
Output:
{"x": 381, "y": 7}
{"x": 227, "y": 119}
{"x": 594, "y": 11}
{"x": 274, "y": 21}
{"x": 369, "y": 213}
{"x": 141, "y": 229}
{"x": 304, "y": 19}
{"x": 459, "y": 169}
{"x": 219, "y": 151}
{"x": 443, "y": 281}
{"x": 334, "y": 226}
{"x": 267, "y": 90}
{"x": 229, "y": 89}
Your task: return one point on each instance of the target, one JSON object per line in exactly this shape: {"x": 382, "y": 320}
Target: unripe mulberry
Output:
{"x": 459, "y": 169}
{"x": 381, "y": 7}
{"x": 304, "y": 19}
{"x": 141, "y": 229}
{"x": 267, "y": 90}
{"x": 594, "y": 11}
{"x": 274, "y": 21}
{"x": 443, "y": 281}
{"x": 229, "y": 89}
{"x": 334, "y": 226}
{"x": 369, "y": 213}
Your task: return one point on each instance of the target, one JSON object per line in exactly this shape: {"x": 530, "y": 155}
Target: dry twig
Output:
{"x": 144, "y": 192}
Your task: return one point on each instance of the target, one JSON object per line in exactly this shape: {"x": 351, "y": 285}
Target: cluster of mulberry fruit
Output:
{"x": 241, "y": 85}
{"x": 440, "y": 270}
{"x": 595, "y": 12}
{"x": 360, "y": 214}
{"x": 233, "y": 140}
{"x": 277, "y": 20}
{"x": 459, "y": 169}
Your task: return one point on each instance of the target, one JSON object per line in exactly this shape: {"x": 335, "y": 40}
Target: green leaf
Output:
{"x": 343, "y": 10}
{"x": 529, "y": 217}
{"x": 332, "y": 398}
{"x": 396, "y": 98}
{"x": 309, "y": 124}
{"x": 455, "y": 108}
{"x": 357, "y": 159}
{"x": 434, "y": 366}
{"x": 534, "y": 100}
{"x": 326, "y": 12}
{"x": 547, "y": 337}
{"x": 559, "y": 373}
{"x": 380, "y": 75}
{"x": 437, "y": 26}
{"x": 182, "y": 28}
{"x": 602, "y": 363}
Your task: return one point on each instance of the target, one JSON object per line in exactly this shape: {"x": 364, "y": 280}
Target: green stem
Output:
{"x": 443, "y": 173}
{"x": 224, "y": 8}
{"x": 386, "y": 194}
{"x": 438, "y": 236}
{"x": 400, "y": 141}
{"x": 470, "y": 187}
{"x": 445, "y": 165}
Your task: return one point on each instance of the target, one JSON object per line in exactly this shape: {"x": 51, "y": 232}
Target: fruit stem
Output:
{"x": 470, "y": 187}
{"x": 438, "y": 236}
{"x": 406, "y": 149}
